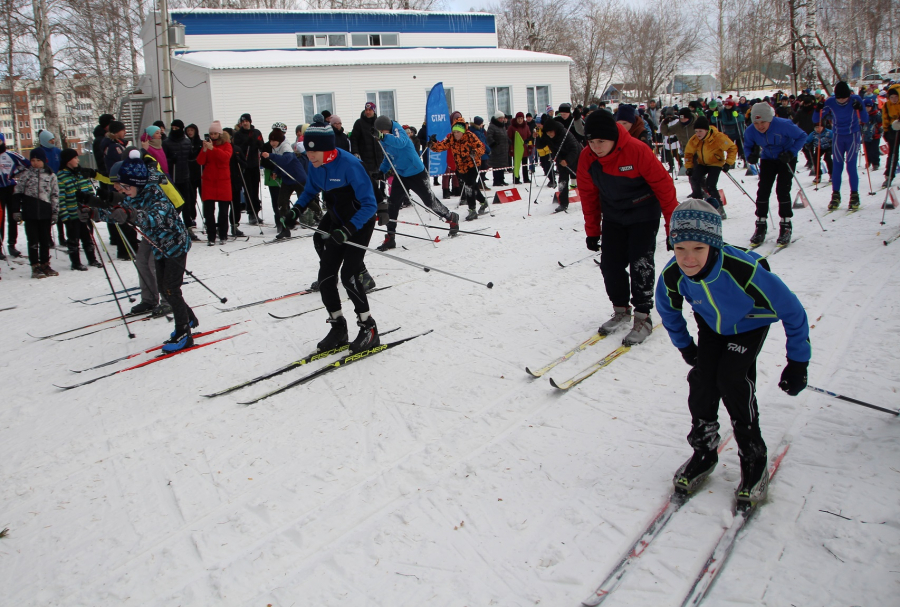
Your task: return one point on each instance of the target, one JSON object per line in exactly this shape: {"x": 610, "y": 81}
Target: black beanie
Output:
{"x": 105, "y": 119}
{"x": 685, "y": 112}
{"x": 701, "y": 123}
{"x": 115, "y": 126}
{"x": 601, "y": 125}
{"x": 842, "y": 90}
{"x": 179, "y": 123}
{"x": 66, "y": 157}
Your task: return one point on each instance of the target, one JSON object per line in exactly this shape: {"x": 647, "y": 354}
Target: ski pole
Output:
{"x": 553, "y": 161}
{"x": 131, "y": 254}
{"x": 496, "y": 235}
{"x": 865, "y": 152}
{"x": 249, "y": 204}
{"x": 119, "y": 276}
{"x": 854, "y": 401}
{"x": 489, "y": 285}
{"x": 740, "y": 187}
{"x": 111, "y": 287}
{"x": 438, "y": 239}
{"x": 576, "y": 261}
{"x": 377, "y": 139}
{"x": 890, "y": 177}
{"x": 186, "y": 271}
{"x": 811, "y": 208}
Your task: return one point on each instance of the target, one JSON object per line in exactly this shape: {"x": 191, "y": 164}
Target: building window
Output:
{"x": 499, "y": 99}
{"x": 384, "y": 103}
{"x": 316, "y": 104}
{"x": 321, "y": 40}
{"x": 538, "y": 99}
{"x": 71, "y": 133}
{"x": 448, "y": 93}
{"x": 374, "y": 39}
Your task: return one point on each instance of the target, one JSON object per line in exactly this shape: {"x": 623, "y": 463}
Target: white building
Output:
{"x": 288, "y": 65}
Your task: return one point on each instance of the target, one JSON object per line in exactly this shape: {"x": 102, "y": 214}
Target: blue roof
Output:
{"x": 199, "y": 22}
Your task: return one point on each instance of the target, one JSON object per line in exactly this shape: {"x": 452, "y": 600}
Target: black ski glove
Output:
{"x": 753, "y": 158}
{"x": 342, "y": 234}
{"x": 383, "y": 216}
{"x": 87, "y": 172}
{"x": 857, "y": 105}
{"x": 377, "y": 175}
{"x": 785, "y": 157}
{"x": 793, "y": 378}
{"x": 689, "y": 172}
{"x": 432, "y": 139}
{"x": 689, "y": 354}
{"x": 593, "y": 243}
{"x": 727, "y": 167}
{"x": 289, "y": 216}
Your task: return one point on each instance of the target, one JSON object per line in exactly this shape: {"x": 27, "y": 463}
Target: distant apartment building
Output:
{"x": 22, "y": 114}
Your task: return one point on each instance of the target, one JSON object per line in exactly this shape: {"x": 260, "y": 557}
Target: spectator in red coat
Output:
{"x": 215, "y": 188}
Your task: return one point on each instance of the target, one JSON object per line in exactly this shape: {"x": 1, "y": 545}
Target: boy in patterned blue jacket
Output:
{"x": 735, "y": 298}
{"x": 147, "y": 207}
{"x": 819, "y": 145}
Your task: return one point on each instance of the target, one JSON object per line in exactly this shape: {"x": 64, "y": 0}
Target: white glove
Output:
{"x": 896, "y": 125}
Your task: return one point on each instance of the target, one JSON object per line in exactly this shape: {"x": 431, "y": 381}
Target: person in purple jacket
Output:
{"x": 773, "y": 143}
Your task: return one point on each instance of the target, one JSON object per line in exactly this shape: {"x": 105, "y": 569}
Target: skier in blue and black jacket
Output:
{"x": 350, "y": 210}
{"x": 401, "y": 157}
{"x": 735, "y": 298}
{"x": 774, "y": 143}
{"x": 845, "y": 112}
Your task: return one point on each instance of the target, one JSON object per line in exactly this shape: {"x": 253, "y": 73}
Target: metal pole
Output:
{"x": 168, "y": 108}
{"x": 800, "y": 185}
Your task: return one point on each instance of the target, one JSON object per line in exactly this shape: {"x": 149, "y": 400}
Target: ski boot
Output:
{"x": 561, "y": 208}
{"x": 389, "y": 243}
{"x": 453, "y": 220}
{"x": 2, "y": 256}
{"x": 14, "y": 252}
{"x": 37, "y": 271}
{"x": 314, "y": 286}
{"x": 283, "y": 233}
{"x": 48, "y": 271}
{"x": 643, "y": 326}
{"x": 784, "y": 233}
{"x": 760, "y": 234}
{"x": 79, "y": 267}
{"x": 621, "y": 316}
{"x": 181, "y": 338}
{"x": 163, "y": 309}
{"x": 835, "y": 200}
{"x": 754, "y": 483}
{"x": 95, "y": 264}
{"x": 337, "y": 336}
{"x": 446, "y": 194}
{"x": 854, "y": 201}
{"x": 693, "y": 472}
{"x": 235, "y": 232}
{"x": 473, "y": 214}
{"x": 483, "y": 208}
{"x": 192, "y": 324}
{"x": 367, "y": 337}
{"x": 193, "y": 236}
{"x": 365, "y": 280}
{"x": 142, "y": 307}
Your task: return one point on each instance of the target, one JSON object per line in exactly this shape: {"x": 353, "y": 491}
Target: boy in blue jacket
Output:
{"x": 819, "y": 145}
{"x": 400, "y": 155}
{"x": 349, "y": 216}
{"x": 774, "y": 144}
{"x": 735, "y": 298}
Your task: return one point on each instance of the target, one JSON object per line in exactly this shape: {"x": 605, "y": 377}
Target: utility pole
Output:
{"x": 166, "y": 105}
{"x": 794, "y": 35}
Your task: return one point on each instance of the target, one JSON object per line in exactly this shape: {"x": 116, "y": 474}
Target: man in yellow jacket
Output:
{"x": 890, "y": 121}
{"x": 707, "y": 154}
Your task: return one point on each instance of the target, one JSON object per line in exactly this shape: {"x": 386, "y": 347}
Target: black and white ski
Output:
{"x": 309, "y": 358}
{"x": 343, "y": 362}
{"x": 376, "y": 289}
{"x": 265, "y": 301}
{"x": 723, "y": 548}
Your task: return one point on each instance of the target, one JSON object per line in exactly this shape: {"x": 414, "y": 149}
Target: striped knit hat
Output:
{"x": 698, "y": 221}
{"x": 319, "y": 137}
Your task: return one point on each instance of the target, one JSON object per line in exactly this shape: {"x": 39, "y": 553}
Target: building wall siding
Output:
{"x": 288, "y": 41}
{"x": 275, "y": 94}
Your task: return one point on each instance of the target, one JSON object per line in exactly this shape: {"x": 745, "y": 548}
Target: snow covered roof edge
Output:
{"x": 372, "y": 11}
{"x": 225, "y": 60}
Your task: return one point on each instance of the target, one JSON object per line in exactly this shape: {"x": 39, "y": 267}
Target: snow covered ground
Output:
{"x": 439, "y": 472}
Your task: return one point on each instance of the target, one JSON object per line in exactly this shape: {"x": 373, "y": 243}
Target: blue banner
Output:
{"x": 437, "y": 117}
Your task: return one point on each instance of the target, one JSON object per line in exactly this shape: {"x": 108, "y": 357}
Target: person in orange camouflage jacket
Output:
{"x": 466, "y": 148}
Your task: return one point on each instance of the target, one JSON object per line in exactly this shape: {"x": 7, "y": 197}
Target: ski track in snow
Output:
{"x": 439, "y": 471}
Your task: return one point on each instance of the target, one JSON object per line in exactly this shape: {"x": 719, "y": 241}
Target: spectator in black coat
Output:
{"x": 366, "y": 147}
{"x": 178, "y": 149}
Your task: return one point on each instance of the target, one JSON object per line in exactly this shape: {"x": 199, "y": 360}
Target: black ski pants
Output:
{"x": 781, "y": 175}
{"x": 79, "y": 232}
{"x": 705, "y": 177}
{"x": 344, "y": 259}
{"x": 37, "y": 233}
{"x": 625, "y": 248}
{"x": 726, "y": 370}
{"x": 470, "y": 191}
{"x": 6, "y": 195}
{"x": 169, "y": 277}
{"x": 892, "y": 138}
{"x": 216, "y": 224}
{"x": 419, "y": 185}
{"x": 251, "y": 183}
{"x": 189, "y": 208}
